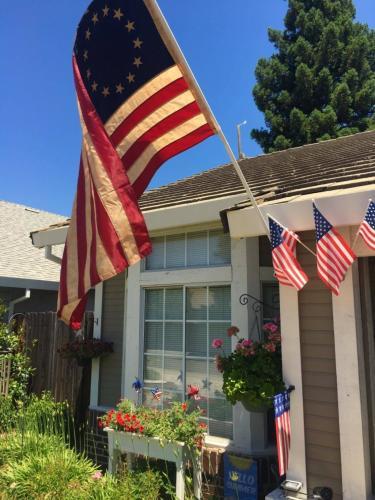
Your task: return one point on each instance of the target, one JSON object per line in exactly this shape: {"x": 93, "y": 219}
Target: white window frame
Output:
{"x": 185, "y": 232}
{"x": 184, "y": 321}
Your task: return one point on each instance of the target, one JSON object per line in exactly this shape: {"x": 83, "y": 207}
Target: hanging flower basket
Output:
{"x": 84, "y": 350}
{"x": 252, "y": 373}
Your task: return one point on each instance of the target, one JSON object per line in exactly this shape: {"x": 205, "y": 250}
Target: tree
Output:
{"x": 320, "y": 83}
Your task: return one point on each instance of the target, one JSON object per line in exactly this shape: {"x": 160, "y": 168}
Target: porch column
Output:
{"x": 292, "y": 374}
{"x": 355, "y": 461}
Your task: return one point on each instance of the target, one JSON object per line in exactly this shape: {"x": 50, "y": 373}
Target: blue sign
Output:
{"x": 240, "y": 478}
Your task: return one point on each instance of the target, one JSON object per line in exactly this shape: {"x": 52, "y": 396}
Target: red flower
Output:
{"x": 202, "y": 425}
{"x": 100, "y": 424}
{"x": 270, "y": 347}
{"x": 193, "y": 391}
{"x": 232, "y": 330}
{"x": 184, "y": 406}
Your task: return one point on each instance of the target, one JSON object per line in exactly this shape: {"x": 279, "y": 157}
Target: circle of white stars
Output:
{"x": 97, "y": 17}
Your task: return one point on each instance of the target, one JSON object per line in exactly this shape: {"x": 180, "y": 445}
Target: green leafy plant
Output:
{"x": 252, "y": 373}
{"x": 12, "y": 347}
{"x": 179, "y": 422}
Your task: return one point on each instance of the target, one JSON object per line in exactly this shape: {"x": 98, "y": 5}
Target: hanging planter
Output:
{"x": 252, "y": 373}
{"x": 84, "y": 350}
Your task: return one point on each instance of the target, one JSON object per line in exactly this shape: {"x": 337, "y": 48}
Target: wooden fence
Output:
{"x": 44, "y": 335}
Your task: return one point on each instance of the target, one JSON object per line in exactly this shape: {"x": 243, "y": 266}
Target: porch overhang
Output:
{"x": 343, "y": 207}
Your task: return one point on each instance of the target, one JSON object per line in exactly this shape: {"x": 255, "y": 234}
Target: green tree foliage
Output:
{"x": 320, "y": 83}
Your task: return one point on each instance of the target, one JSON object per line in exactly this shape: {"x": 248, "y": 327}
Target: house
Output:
{"x": 162, "y": 313}
{"x": 28, "y": 282}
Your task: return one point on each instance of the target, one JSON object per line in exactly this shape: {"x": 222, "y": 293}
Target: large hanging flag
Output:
{"x": 281, "y": 404}
{"x": 367, "y": 227}
{"x": 138, "y": 108}
{"x": 286, "y": 267}
{"x": 334, "y": 256}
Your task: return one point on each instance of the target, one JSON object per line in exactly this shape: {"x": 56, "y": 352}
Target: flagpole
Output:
{"x": 293, "y": 235}
{"x": 172, "y": 44}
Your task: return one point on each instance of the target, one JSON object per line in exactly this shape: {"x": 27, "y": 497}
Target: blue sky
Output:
{"x": 40, "y": 134}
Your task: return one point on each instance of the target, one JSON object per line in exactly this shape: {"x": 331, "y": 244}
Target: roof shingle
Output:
{"x": 18, "y": 257}
{"x": 307, "y": 169}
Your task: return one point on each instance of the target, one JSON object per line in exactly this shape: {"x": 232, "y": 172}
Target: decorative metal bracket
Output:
{"x": 257, "y": 306}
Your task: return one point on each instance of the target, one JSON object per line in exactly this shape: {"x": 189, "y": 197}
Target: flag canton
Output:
{"x": 281, "y": 403}
{"x": 276, "y": 232}
{"x": 321, "y": 224}
{"x": 370, "y": 215}
{"x": 118, "y": 49}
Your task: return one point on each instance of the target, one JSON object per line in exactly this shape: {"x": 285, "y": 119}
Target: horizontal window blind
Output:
{"x": 179, "y": 326}
{"x": 191, "y": 249}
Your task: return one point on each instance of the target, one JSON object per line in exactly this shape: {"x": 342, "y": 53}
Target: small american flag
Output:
{"x": 138, "y": 108}
{"x": 286, "y": 267}
{"x": 156, "y": 393}
{"x": 281, "y": 404}
{"x": 367, "y": 227}
{"x": 334, "y": 256}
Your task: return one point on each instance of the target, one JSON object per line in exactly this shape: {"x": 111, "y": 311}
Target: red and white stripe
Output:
{"x": 157, "y": 122}
{"x": 283, "y": 433}
{"x": 334, "y": 258}
{"x": 368, "y": 234}
{"x": 107, "y": 232}
{"x": 286, "y": 267}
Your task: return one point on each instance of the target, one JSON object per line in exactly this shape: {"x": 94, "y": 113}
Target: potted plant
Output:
{"x": 174, "y": 434}
{"x": 83, "y": 350}
{"x": 252, "y": 373}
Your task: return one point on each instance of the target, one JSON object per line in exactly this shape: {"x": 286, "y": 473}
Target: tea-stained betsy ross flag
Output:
{"x": 367, "y": 227}
{"x": 137, "y": 110}
{"x": 281, "y": 404}
{"x": 333, "y": 254}
{"x": 286, "y": 267}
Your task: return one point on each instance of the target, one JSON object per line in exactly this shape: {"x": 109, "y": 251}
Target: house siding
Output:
{"x": 323, "y": 462}
{"x": 112, "y": 331}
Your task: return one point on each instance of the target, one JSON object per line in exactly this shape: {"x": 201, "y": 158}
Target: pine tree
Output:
{"x": 320, "y": 83}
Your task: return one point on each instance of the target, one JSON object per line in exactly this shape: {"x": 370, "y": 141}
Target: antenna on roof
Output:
{"x": 241, "y": 154}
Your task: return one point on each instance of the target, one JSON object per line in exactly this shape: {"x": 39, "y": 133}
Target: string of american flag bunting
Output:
{"x": 333, "y": 254}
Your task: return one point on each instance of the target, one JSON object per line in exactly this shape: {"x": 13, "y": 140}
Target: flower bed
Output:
{"x": 252, "y": 373}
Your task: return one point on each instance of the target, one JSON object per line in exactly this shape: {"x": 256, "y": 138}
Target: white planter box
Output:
{"x": 171, "y": 451}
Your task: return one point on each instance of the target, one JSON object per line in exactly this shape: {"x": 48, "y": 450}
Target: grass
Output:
{"x": 38, "y": 461}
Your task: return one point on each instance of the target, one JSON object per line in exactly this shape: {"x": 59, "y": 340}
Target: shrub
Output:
{"x": 12, "y": 346}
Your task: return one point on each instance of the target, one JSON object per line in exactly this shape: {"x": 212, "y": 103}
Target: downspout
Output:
{"x": 50, "y": 256}
{"x": 13, "y": 302}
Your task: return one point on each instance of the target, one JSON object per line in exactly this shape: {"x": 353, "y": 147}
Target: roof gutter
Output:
{"x": 50, "y": 256}
{"x": 13, "y": 302}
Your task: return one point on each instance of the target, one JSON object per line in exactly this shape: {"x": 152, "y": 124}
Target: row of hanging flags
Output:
{"x": 333, "y": 253}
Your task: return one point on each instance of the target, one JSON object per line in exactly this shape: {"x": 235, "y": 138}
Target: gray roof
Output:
{"x": 338, "y": 163}
{"x": 341, "y": 163}
{"x": 18, "y": 257}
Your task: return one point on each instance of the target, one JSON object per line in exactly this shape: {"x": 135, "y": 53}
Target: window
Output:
{"x": 179, "y": 326}
{"x": 271, "y": 301}
{"x": 194, "y": 249}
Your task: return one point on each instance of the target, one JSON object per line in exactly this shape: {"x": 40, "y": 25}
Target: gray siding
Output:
{"x": 322, "y": 437}
{"x": 39, "y": 301}
{"x": 112, "y": 331}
